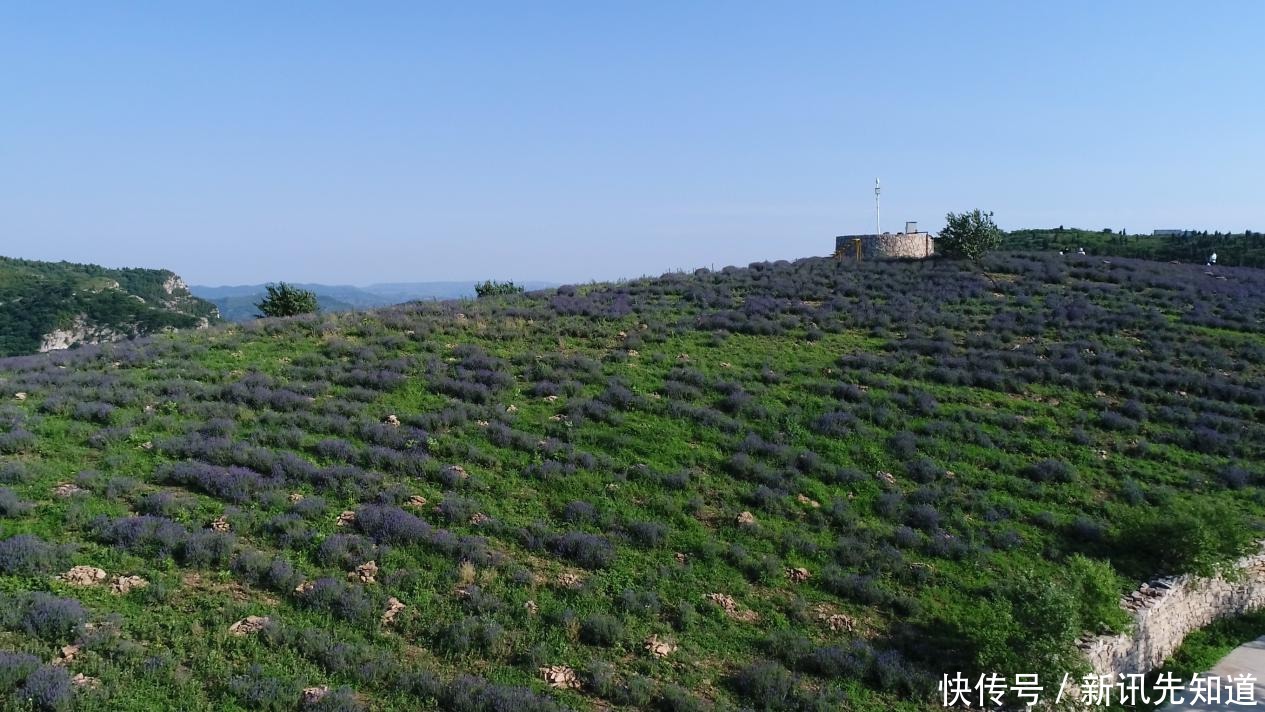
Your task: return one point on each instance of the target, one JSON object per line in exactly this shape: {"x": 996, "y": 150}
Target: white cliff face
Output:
{"x": 78, "y": 332}
{"x": 175, "y": 284}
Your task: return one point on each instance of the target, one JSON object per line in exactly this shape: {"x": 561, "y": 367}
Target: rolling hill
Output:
{"x": 808, "y": 485}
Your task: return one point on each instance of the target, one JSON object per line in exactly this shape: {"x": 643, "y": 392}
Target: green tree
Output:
{"x": 287, "y": 300}
{"x": 492, "y": 288}
{"x": 969, "y": 235}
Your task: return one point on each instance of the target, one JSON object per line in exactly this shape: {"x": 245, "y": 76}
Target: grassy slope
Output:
{"x": 809, "y": 339}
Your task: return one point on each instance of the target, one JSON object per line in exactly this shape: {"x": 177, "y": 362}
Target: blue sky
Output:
{"x": 240, "y": 142}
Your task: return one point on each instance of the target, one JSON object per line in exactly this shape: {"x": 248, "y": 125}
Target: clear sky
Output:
{"x": 239, "y": 142}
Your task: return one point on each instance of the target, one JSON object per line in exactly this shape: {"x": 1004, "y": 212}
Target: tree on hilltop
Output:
{"x": 969, "y": 235}
{"x": 287, "y": 300}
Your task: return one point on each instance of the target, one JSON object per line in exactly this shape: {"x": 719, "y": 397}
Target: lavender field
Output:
{"x": 808, "y": 485}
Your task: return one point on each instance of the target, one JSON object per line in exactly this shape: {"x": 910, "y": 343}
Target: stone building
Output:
{"x": 910, "y": 244}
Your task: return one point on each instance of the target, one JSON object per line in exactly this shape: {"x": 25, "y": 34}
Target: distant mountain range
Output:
{"x": 45, "y": 306}
{"x": 237, "y": 303}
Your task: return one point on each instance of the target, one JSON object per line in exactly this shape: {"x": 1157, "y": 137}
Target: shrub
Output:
{"x": 471, "y": 634}
{"x": 587, "y": 550}
{"x": 765, "y": 684}
{"x": 11, "y": 505}
{"x": 48, "y": 688}
{"x": 258, "y": 691}
{"x": 1187, "y": 536}
{"x": 27, "y": 554}
{"x": 1050, "y": 470}
{"x": 14, "y": 669}
{"x": 601, "y": 629}
{"x": 49, "y": 617}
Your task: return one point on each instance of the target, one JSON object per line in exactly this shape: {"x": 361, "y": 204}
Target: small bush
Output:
{"x": 601, "y": 629}
{"x": 48, "y": 689}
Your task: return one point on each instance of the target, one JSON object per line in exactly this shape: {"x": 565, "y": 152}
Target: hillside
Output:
{"x": 1245, "y": 249}
{"x": 55, "y": 305}
{"x": 237, "y": 303}
{"x": 811, "y": 485}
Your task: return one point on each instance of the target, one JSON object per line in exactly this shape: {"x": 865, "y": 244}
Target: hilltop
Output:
{"x": 800, "y": 485}
{"x": 1244, "y": 249}
{"x": 46, "y": 306}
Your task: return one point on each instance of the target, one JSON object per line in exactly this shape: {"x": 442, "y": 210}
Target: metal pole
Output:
{"x": 878, "y": 222}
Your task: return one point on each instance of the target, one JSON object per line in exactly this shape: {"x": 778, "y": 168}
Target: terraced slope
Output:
{"x": 804, "y": 485}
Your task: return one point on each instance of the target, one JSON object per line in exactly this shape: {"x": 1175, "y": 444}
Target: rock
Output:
{"x": 66, "y": 489}
{"x": 346, "y": 518}
{"x": 839, "y": 623}
{"x": 511, "y": 408}
{"x": 66, "y": 655}
{"x": 394, "y": 608}
{"x": 567, "y": 579}
{"x": 456, "y": 470}
{"x": 82, "y": 680}
{"x": 551, "y": 399}
{"x": 888, "y": 478}
{"x": 124, "y": 584}
{"x": 805, "y": 500}
{"x": 313, "y": 695}
{"x": 19, "y": 396}
{"x": 560, "y": 677}
{"x": 296, "y": 497}
{"x": 746, "y": 519}
{"x": 221, "y": 524}
{"x": 304, "y": 587}
{"x": 479, "y": 518}
{"x": 731, "y": 607}
{"x": 392, "y": 421}
{"x": 364, "y": 573}
{"x": 83, "y": 576}
{"x": 681, "y": 558}
{"x": 659, "y": 648}
{"x": 798, "y": 574}
{"x": 531, "y": 608}
{"x": 417, "y": 501}
{"x": 249, "y": 625}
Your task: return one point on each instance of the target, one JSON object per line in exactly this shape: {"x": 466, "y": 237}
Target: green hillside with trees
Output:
{"x": 38, "y": 298}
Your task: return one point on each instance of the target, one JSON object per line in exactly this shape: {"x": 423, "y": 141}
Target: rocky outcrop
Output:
{"x": 1167, "y": 610}
{"x": 78, "y": 332}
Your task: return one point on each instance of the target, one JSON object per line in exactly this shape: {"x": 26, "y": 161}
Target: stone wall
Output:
{"x": 1165, "y": 611}
{"x": 888, "y": 245}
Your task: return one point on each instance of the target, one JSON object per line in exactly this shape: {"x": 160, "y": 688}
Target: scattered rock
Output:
{"x": 416, "y": 501}
{"x": 296, "y": 497}
{"x": 511, "y": 408}
{"x": 221, "y": 524}
{"x": 561, "y": 677}
{"x": 551, "y": 399}
{"x": 479, "y": 518}
{"x": 19, "y": 396}
{"x": 346, "y": 518}
{"x": 394, "y": 608}
{"x": 798, "y": 574}
{"x": 531, "y": 608}
{"x": 313, "y": 695}
{"x": 67, "y": 489}
{"x": 82, "y": 680}
{"x": 682, "y": 558}
{"x": 731, "y": 607}
{"x": 746, "y": 519}
{"x": 83, "y": 576}
{"x": 567, "y": 579}
{"x": 304, "y": 587}
{"x": 365, "y": 573}
{"x": 248, "y": 625}
{"x": 888, "y": 478}
{"x": 659, "y": 648}
{"x": 147, "y": 445}
{"x": 125, "y": 584}
{"x": 805, "y": 500}
{"x": 839, "y": 623}
{"x": 458, "y": 471}
{"x": 392, "y": 421}
{"x": 66, "y": 655}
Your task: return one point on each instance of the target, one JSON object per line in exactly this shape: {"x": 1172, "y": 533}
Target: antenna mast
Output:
{"x": 878, "y": 222}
